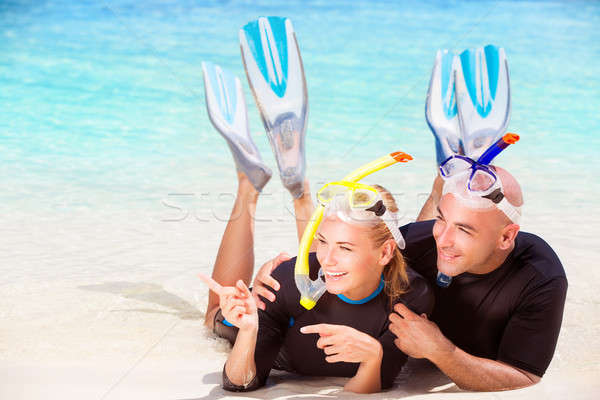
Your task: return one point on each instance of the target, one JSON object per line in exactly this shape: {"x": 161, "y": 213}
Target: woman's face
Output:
{"x": 351, "y": 262}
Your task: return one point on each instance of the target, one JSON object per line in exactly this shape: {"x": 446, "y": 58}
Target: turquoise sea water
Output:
{"x": 102, "y": 102}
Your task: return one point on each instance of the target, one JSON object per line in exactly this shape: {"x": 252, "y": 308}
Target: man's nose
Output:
{"x": 446, "y": 236}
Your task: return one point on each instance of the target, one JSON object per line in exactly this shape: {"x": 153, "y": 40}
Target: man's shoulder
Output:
{"x": 419, "y": 296}
{"x": 534, "y": 252}
{"x": 418, "y": 230}
{"x": 420, "y": 251}
{"x": 418, "y": 236}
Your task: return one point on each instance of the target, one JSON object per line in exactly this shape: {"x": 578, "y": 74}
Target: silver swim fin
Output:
{"x": 227, "y": 112}
{"x": 276, "y": 76}
{"x": 483, "y": 97}
{"x": 440, "y": 107}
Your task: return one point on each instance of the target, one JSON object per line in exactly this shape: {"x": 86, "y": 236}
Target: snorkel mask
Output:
{"x": 353, "y": 202}
{"x": 476, "y": 184}
{"x": 359, "y": 204}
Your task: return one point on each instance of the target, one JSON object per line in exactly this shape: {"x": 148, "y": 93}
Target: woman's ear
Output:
{"x": 387, "y": 251}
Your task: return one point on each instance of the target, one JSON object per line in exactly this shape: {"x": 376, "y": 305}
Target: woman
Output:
{"x": 346, "y": 333}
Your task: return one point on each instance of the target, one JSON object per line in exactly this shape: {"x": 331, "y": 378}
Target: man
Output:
{"x": 496, "y": 325}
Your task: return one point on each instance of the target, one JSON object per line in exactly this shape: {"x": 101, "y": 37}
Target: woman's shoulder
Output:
{"x": 284, "y": 273}
{"x": 419, "y": 296}
{"x": 288, "y": 296}
{"x": 285, "y": 270}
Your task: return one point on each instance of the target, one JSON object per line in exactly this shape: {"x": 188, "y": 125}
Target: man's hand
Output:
{"x": 263, "y": 279}
{"x": 343, "y": 343}
{"x": 236, "y": 302}
{"x": 416, "y": 335}
{"x": 420, "y": 338}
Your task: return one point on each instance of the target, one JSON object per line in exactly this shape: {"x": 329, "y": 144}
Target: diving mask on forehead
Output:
{"x": 359, "y": 198}
{"x": 476, "y": 183}
{"x": 359, "y": 204}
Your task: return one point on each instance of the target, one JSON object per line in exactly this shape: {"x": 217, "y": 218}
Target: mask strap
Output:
{"x": 513, "y": 213}
{"x": 391, "y": 221}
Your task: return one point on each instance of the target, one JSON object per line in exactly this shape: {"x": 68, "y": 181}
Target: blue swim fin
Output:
{"x": 276, "y": 76}
{"x": 227, "y": 112}
{"x": 440, "y": 107}
{"x": 483, "y": 97}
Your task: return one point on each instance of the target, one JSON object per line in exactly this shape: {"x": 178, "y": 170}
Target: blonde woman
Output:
{"x": 346, "y": 334}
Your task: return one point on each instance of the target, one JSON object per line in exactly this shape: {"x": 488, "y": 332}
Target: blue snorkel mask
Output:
{"x": 477, "y": 184}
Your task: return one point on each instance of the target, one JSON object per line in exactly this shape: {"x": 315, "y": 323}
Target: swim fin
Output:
{"x": 276, "y": 76}
{"x": 227, "y": 112}
{"x": 483, "y": 97}
{"x": 440, "y": 107}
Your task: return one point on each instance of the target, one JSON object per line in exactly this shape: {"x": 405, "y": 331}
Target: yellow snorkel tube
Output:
{"x": 311, "y": 291}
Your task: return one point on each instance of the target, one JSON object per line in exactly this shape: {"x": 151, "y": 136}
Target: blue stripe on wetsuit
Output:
{"x": 366, "y": 299}
{"x": 343, "y": 298}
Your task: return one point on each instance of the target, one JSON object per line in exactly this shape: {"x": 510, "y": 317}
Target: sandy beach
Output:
{"x": 136, "y": 331}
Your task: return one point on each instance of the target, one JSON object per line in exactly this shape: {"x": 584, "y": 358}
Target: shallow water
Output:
{"x": 103, "y": 102}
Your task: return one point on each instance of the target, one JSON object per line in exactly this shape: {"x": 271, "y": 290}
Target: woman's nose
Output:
{"x": 330, "y": 258}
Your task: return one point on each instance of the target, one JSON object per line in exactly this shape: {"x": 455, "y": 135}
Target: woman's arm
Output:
{"x": 240, "y": 366}
{"x": 368, "y": 376}
{"x": 345, "y": 344}
{"x": 239, "y": 308}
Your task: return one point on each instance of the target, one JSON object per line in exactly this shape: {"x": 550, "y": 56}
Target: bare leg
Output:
{"x": 235, "y": 259}
{"x": 429, "y": 209}
{"x": 303, "y": 209}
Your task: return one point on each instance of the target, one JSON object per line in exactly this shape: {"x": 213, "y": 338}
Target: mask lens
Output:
{"x": 362, "y": 198}
{"x": 481, "y": 181}
{"x": 454, "y": 166}
{"x": 329, "y": 192}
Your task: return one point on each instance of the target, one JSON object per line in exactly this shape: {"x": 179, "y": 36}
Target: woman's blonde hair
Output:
{"x": 394, "y": 273}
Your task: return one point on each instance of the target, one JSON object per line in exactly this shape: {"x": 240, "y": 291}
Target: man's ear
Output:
{"x": 508, "y": 235}
{"x": 387, "y": 251}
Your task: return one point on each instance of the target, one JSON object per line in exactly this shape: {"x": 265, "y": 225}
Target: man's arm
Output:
{"x": 429, "y": 208}
{"x": 475, "y": 373}
{"x": 420, "y": 338}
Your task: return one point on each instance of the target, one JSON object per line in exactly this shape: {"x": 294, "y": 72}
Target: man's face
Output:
{"x": 465, "y": 238}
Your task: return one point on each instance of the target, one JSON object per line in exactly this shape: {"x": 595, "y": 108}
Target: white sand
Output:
{"x": 107, "y": 305}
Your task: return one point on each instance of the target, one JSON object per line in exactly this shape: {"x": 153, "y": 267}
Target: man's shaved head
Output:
{"x": 471, "y": 239}
{"x": 511, "y": 188}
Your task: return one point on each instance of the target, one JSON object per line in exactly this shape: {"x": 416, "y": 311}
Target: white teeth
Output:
{"x": 336, "y": 273}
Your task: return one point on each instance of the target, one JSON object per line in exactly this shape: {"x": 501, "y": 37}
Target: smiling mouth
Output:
{"x": 447, "y": 257}
{"x": 335, "y": 275}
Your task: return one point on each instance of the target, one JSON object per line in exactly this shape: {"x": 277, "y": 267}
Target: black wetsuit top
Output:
{"x": 280, "y": 344}
{"x": 512, "y": 314}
